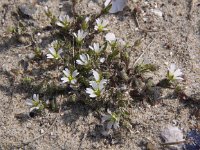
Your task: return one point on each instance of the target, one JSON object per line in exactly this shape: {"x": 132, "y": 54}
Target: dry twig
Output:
{"x": 143, "y": 53}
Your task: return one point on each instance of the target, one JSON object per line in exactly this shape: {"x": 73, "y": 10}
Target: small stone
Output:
{"x": 24, "y": 39}
{"x": 105, "y": 133}
{"x": 29, "y": 125}
{"x": 95, "y": 145}
{"x": 41, "y": 131}
{"x": 151, "y": 146}
{"x": 31, "y": 56}
{"x": 5, "y": 68}
{"x": 172, "y": 134}
{"x": 51, "y": 133}
{"x": 27, "y": 10}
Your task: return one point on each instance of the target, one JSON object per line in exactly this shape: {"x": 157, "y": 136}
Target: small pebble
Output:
{"x": 41, "y": 131}
{"x": 172, "y": 134}
{"x": 157, "y": 12}
{"x": 27, "y": 10}
{"x": 31, "y": 55}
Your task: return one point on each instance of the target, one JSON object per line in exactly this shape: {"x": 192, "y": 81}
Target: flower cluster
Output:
{"x": 55, "y": 51}
{"x": 69, "y": 77}
{"x": 55, "y": 54}
{"x": 96, "y": 48}
{"x": 101, "y": 25}
{"x": 80, "y": 36}
{"x": 84, "y": 60}
{"x": 64, "y": 21}
{"x": 112, "y": 120}
{"x": 173, "y": 73}
{"x": 97, "y": 86}
{"x": 89, "y": 60}
{"x": 35, "y": 103}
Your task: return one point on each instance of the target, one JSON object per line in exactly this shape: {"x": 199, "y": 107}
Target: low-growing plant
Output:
{"x": 98, "y": 71}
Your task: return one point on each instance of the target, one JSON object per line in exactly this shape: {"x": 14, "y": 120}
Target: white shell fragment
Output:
{"x": 157, "y": 12}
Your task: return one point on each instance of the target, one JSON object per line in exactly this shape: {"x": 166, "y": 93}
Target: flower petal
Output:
{"x": 105, "y": 118}
{"x": 96, "y": 75}
{"x": 35, "y": 97}
{"x": 60, "y": 51}
{"x": 178, "y": 73}
{"x": 172, "y": 68}
{"x": 98, "y": 21}
{"x": 91, "y": 48}
{"x": 50, "y": 56}
{"x": 66, "y": 72}
{"x": 52, "y": 51}
{"x": 107, "y": 2}
{"x": 109, "y": 124}
{"x": 101, "y": 84}
{"x": 73, "y": 81}
{"x": 75, "y": 35}
{"x": 93, "y": 95}
{"x": 179, "y": 78}
{"x": 75, "y": 73}
{"x": 58, "y": 23}
{"x": 116, "y": 125}
{"x": 64, "y": 79}
{"x": 92, "y": 82}
{"x": 105, "y": 23}
{"x": 89, "y": 91}
{"x": 79, "y": 62}
{"x": 83, "y": 57}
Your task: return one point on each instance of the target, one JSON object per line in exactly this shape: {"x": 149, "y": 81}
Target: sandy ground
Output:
{"x": 176, "y": 39}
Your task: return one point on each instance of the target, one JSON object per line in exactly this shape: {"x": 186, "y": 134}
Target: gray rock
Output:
{"x": 27, "y": 10}
{"x": 172, "y": 134}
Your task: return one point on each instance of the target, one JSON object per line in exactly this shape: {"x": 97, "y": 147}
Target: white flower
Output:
{"x": 117, "y": 5}
{"x": 101, "y": 25}
{"x": 112, "y": 120}
{"x": 84, "y": 59}
{"x": 173, "y": 73}
{"x": 110, "y": 37}
{"x": 98, "y": 86}
{"x": 54, "y": 54}
{"x": 80, "y": 36}
{"x": 64, "y": 21}
{"x": 34, "y": 102}
{"x": 96, "y": 48}
{"x": 69, "y": 77}
{"x": 96, "y": 90}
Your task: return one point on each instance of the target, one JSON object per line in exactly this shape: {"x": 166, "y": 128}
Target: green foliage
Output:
{"x": 143, "y": 68}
